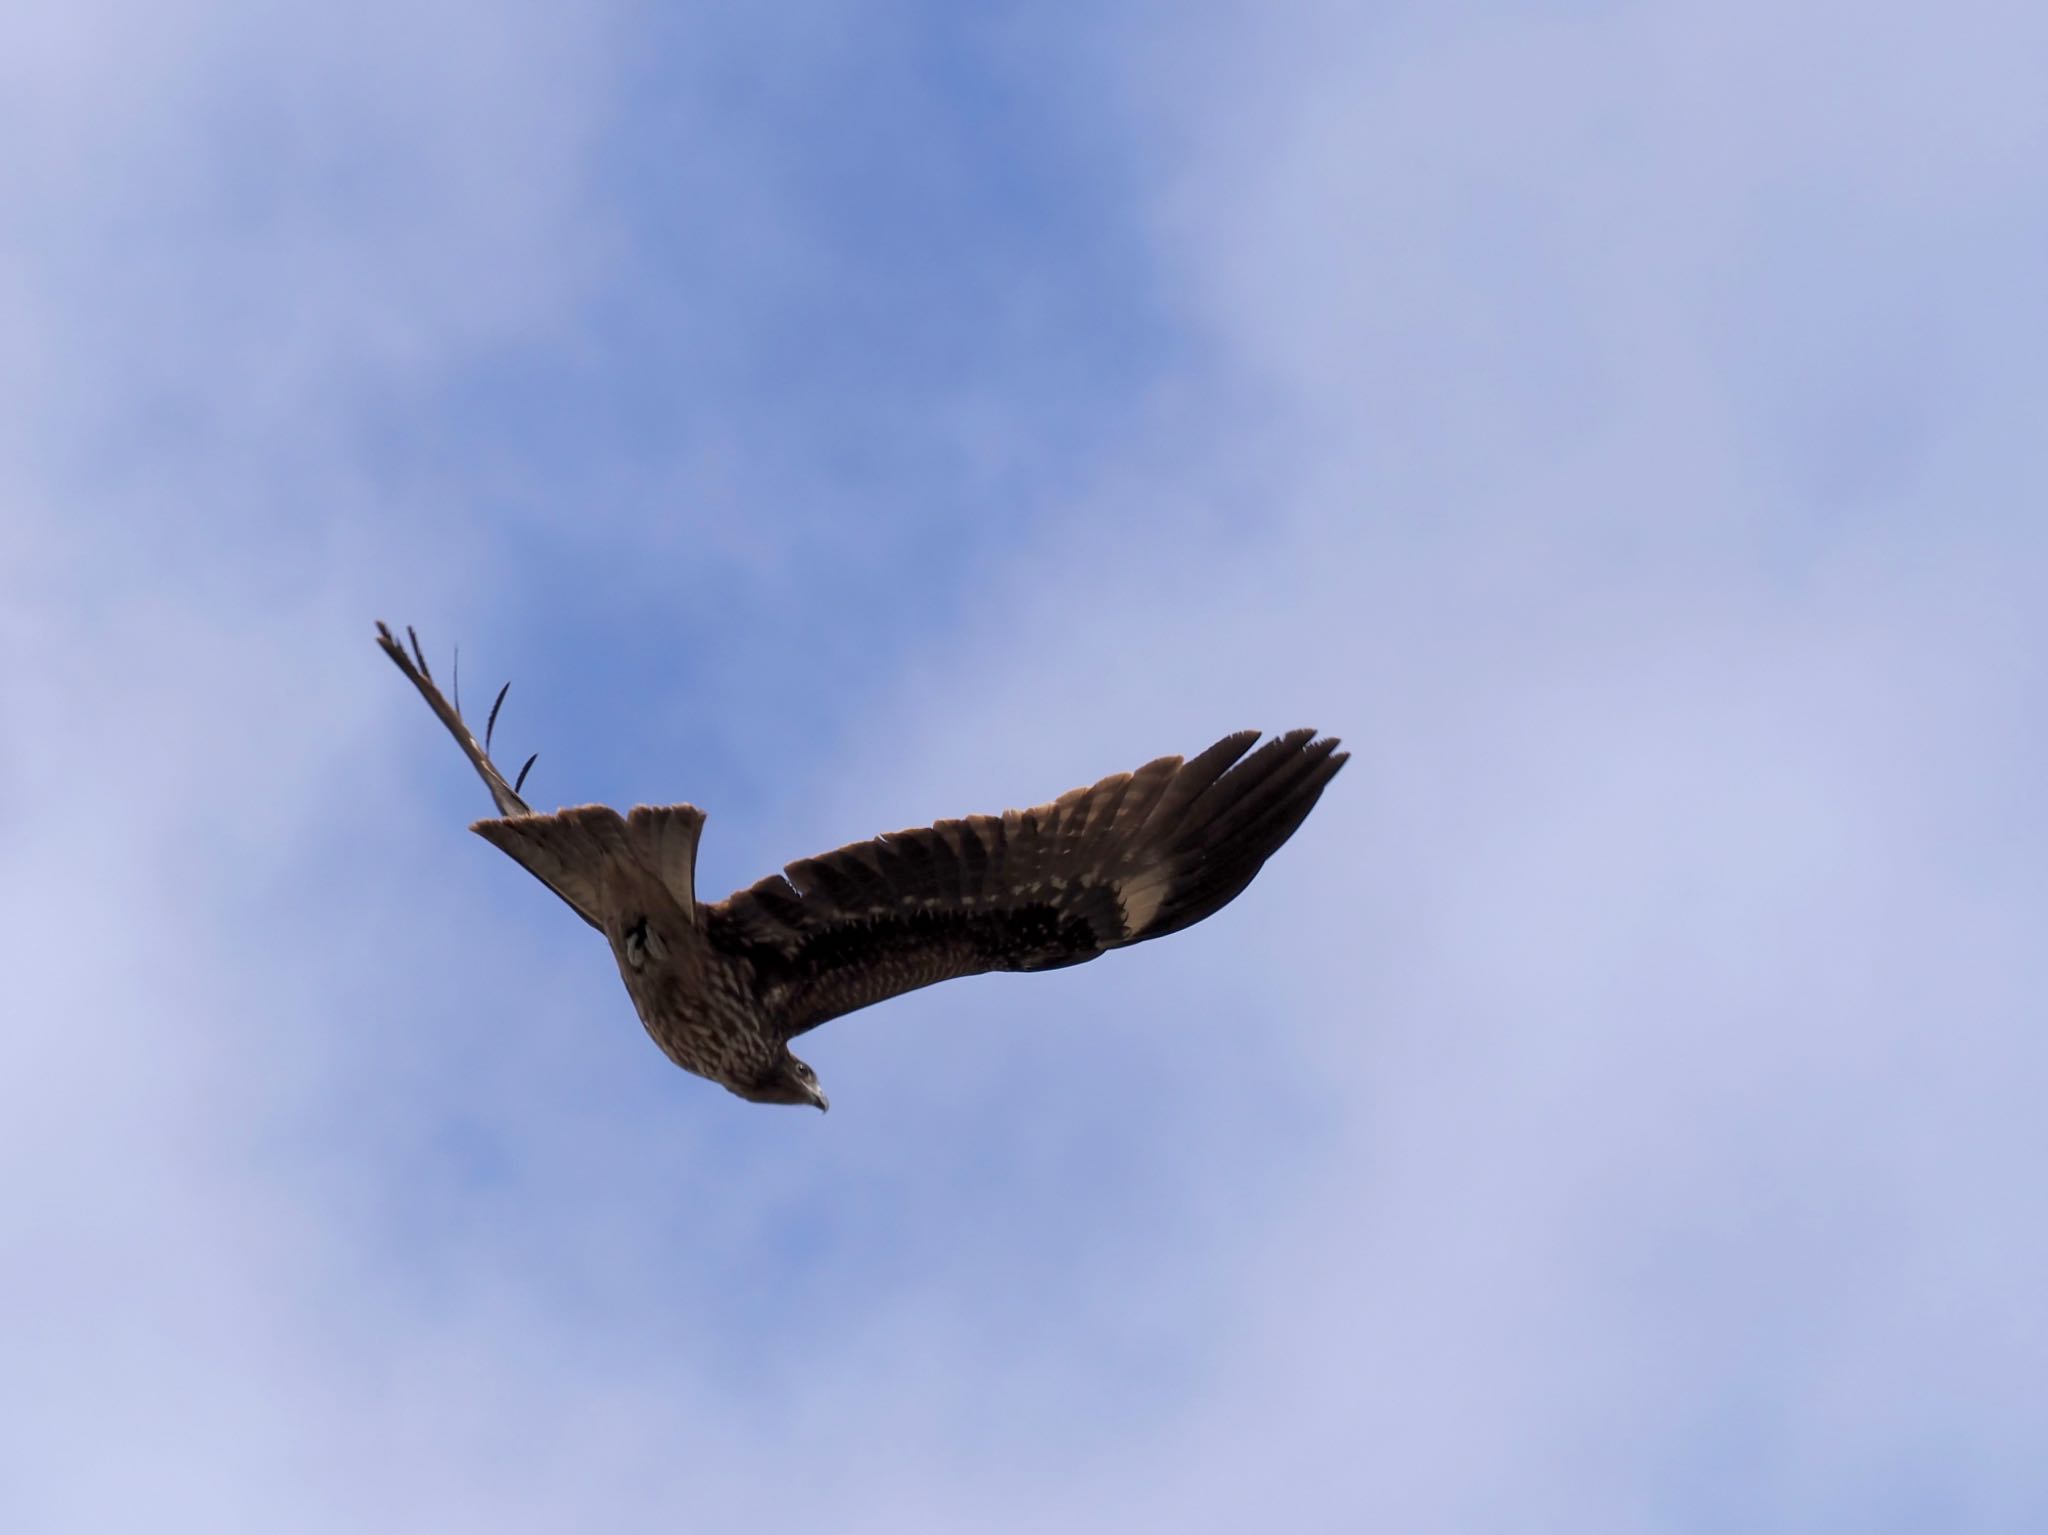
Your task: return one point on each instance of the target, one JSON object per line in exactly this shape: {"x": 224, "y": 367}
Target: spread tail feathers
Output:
{"x": 570, "y": 851}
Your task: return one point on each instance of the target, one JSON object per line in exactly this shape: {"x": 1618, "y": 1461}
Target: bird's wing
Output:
{"x": 1136, "y": 856}
{"x": 565, "y": 851}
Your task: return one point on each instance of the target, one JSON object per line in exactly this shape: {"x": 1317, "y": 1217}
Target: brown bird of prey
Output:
{"x": 724, "y": 986}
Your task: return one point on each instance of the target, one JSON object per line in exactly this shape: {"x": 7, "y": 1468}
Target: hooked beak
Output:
{"x": 818, "y": 1097}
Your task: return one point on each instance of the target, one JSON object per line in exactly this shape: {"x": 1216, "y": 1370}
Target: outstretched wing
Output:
{"x": 1136, "y": 856}
{"x": 565, "y": 851}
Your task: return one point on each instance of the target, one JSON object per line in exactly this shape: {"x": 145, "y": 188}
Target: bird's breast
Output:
{"x": 704, "y": 1017}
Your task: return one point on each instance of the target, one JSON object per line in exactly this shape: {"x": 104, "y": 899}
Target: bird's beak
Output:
{"x": 818, "y": 1097}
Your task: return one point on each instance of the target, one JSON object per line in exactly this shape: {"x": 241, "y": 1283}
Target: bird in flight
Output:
{"x": 724, "y": 986}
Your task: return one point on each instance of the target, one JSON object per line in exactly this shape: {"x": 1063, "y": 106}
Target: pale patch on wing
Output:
{"x": 1142, "y": 897}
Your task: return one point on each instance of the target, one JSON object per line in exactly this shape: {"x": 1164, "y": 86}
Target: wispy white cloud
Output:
{"x": 1616, "y": 1110}
{"x": 1608, "y": 439}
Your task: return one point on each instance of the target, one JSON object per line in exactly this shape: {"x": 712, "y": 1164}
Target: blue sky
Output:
{"x": 1619, "y": 1109}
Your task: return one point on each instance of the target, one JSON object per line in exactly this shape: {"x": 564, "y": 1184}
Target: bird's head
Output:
{"x": 789, "y": 1080}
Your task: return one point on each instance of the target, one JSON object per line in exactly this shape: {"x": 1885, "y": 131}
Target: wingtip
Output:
{"x": 1306, "y": 739}
{"x": 491, "y": 724}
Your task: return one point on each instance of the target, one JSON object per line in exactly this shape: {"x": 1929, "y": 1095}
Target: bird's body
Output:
{"x": 722, "y": 987}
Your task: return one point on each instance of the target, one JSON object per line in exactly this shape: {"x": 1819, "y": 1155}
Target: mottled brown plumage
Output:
{"x": 722, "y": 987}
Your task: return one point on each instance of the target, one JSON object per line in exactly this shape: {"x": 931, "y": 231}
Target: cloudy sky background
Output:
{"x": 1621, "y": 1109}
